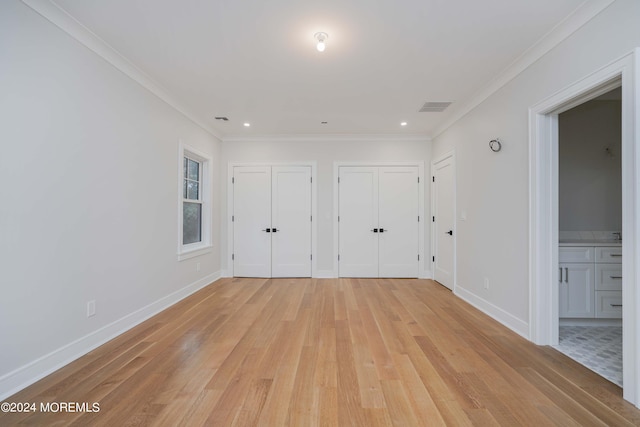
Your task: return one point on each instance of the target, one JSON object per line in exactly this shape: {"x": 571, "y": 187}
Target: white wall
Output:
{"x": 590, "y": 178}
{"x": 493, "y": 187}
{"x": 88, "y": 198}
{"x": 325, "y": 153}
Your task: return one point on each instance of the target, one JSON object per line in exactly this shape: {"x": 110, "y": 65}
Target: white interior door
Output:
{"x": 358, "y": 207}
{"x": 252, "y": 219}
{"x": 291, "y": 221}
{"x": 444, "y": 218}
{"x": 398, "y": 221}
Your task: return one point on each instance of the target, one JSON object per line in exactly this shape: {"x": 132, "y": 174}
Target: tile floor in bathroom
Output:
{"x": 599, "y": 348}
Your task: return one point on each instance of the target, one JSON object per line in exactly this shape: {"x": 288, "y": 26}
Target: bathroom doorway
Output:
{"x": 590, "y": 234}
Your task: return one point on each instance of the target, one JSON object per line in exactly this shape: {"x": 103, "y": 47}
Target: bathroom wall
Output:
{"x": 590, "y": 189}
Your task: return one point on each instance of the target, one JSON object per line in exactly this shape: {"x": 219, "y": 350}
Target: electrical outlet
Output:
{"x": 486, "y": 283}
{"x": 197, "y": 266}
{"x": 91, "y": 308}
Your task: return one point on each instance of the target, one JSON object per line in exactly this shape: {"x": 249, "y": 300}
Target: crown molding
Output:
{"x": 67, "y": 23}
{"x": 578, "y": 18}
{"x": 328, "y": 137}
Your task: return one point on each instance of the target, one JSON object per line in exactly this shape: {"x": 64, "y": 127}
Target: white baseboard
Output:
{"x": 324, "y": 274}
{"x": 516, "y": 325}
{"x": 590, "y": 322}
{"x": 426, "y": 274}
{"x": 28, "y": 374}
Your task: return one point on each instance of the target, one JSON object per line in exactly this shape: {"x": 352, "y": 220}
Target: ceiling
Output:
{"x": 255, "y": 61}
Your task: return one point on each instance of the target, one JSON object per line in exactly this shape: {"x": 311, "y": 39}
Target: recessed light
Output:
{"x": 247, "y": 125}
{"x": 403, "y": 124}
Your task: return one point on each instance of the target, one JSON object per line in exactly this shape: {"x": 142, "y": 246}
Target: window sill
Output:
{"x": 191, "y": 253}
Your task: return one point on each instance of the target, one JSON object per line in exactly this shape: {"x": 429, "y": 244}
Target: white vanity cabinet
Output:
{"x": 609, "y": 282}
{"x": 577, "y": 286}
{"x": 590, "y": 281}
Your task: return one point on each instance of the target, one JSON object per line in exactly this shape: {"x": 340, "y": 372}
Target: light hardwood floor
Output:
{"x": 334, "y": 352}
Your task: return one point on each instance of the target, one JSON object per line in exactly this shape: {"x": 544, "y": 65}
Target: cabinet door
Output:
{"x": 577, "y": 290}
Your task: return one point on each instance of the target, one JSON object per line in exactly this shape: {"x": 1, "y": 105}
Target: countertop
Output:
{"x": 577, "y": 242}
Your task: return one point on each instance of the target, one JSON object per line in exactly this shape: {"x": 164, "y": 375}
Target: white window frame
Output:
{"x": 205, "y": 244}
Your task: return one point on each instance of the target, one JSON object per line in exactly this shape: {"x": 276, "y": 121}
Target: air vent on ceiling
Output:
{"x": 224, "y": 119}
{"x": 434, "y": 107}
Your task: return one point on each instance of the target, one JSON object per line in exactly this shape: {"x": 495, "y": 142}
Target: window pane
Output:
{"x": 184, "y": 188}
{"x": 184, "y": 169}
{"x": 194, "y": 170}
{"x": 192, "y": 190}
{"x": 191, "y": 223}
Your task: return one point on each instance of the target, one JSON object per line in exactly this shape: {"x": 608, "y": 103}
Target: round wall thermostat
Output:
{"x": 495, "y": 145}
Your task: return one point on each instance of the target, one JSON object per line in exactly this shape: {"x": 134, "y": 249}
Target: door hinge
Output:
{"x": 434, "y": 219}
{"x": 233, "y": 257}
{"x": 338, "y": 257}
{"x": 233, "y": 180}
{"x": 418, "y": 180}
{"x": 433, "y": 259}
{"x": 311, "y": 218}
{"x": 418, "y": 257}
{"x": 311, "y": 257}
{"x": 418, "y": 218}
{"x": 433, "y": 179}
{"x": 233, "y": 218}
{"x": 338, "y": 180}
{"x": 338, "y": 218}
{"x": 311, "y": 180}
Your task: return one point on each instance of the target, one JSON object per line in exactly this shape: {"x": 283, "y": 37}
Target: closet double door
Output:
{"x": 378, "y": 221}
{"x": 271, "y": 221}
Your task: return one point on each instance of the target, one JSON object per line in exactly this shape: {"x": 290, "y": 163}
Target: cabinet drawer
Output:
{"x": 608, "y": 277}
{"x": 609, "y": 304}
{"x": 609, "y": 255}
{"x": 576, "y": 254}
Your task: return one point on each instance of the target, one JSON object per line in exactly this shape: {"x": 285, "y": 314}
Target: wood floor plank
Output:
{"x": 325, "y": 352}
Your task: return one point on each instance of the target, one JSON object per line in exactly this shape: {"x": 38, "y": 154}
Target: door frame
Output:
{"x": 336, "y": 208}
{"x": 544, "y": 203}
{"x": 449, "y": 155}
{"x": 314, "y": 208}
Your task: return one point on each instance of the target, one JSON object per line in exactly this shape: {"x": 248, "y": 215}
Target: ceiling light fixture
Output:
{"x": 321, "y": 38}
{"x": 247, "y": 125}
{"x": 403, "y": 124}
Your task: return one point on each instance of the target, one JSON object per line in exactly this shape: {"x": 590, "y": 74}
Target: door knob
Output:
{"x": 450, "y": 232}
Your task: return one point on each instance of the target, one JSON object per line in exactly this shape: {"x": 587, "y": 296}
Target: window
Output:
{"x": 194, "y": 204}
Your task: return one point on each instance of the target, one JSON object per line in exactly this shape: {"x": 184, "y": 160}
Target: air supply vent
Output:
{"x": 224, "y": 119}
{"x": 434, "y": 107}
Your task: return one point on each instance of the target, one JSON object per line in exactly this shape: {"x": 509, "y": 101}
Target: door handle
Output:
{"x": 560, "y": 274}
{"x": 450, "y": 232}
{"x": 375, "y": 230}
{"x": 566, "y": 274}
{"x": 268, "y": 230}
{"x": 615, "y": 277}
{"x": 274, "y": 230}
{"x": 382, "y": 230}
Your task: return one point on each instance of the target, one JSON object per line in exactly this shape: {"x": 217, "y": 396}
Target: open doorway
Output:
{"x": 544, "y": 274}
{"x": 590, "y": 234}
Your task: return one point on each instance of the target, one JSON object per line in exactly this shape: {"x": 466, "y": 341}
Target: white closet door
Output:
{"x": 444, "y": 213}
{"x": 358, "y": 207}
{"x": 291, "y": 221}
{"x": 252, "y": 216}
{"x": 398, "y": 221}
